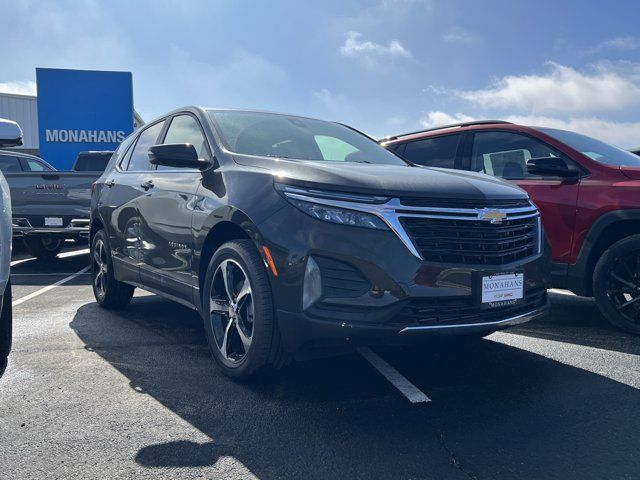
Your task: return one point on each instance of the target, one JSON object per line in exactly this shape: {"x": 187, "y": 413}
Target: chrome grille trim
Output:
{"x": 392, "y": 211}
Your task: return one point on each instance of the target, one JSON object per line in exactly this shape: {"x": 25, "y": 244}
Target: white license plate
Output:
{"x": 52, "y": 221}
{"x": 502, "y": 289}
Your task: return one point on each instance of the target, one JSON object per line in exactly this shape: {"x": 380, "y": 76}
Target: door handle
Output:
{"x": 110, "y": 183}
{"x": 147, "y": 185}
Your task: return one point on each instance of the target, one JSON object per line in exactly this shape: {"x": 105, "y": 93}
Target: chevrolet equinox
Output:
{"x": 289, "y": 234}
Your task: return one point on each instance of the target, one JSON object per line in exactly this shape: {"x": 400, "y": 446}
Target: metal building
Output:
{"x": 24, "y": 110}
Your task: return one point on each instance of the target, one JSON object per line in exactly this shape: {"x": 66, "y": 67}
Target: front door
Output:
{"x": 166, "y": 211}
{"x": 504, "y": 154}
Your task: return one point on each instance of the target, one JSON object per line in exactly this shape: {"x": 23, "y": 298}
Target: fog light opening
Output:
{"x": 312, "y": 289}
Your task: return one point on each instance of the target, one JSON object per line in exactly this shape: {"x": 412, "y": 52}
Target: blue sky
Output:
{"x": 383, "y": 66}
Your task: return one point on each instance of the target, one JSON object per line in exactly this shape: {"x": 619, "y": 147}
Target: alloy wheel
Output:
{"x": 623, "y": 287}
{"x": 231, "y": 311}
{"x": 100, "y": 268}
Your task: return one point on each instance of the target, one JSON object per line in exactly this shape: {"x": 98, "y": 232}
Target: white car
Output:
{"x": 10, "y": 135}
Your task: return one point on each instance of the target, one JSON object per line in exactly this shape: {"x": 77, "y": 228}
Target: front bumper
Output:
{"x": 300, "y": 331}
{"x": 382, "y": 293}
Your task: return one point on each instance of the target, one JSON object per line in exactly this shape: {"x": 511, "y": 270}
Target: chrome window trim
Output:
{"x": 392, "y": 211}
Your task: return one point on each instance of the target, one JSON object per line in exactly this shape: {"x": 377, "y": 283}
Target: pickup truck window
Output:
{"x": 185, "y": 129}
{"x": 139, "y": 157}
{"x": 505, "y": 154}
{"x": 298, "y": 138}
{"x": 9, "y": 163}
{"x": 433, "y": 152}
{"x": 35, "y": 166}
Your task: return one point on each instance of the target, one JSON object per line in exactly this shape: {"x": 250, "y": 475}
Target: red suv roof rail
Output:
{"x": 442, "y": 127}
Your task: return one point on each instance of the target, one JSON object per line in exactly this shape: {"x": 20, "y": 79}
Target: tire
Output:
{"x": 249, "y": 316}
{"x": 43, "y": 248}
{"x": 5, "y": 327}
{"x": 616, "y": 284}
{"x": 109, "y": 292}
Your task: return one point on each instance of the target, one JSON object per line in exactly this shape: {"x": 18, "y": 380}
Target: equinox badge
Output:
{"x": 492, "y": 216}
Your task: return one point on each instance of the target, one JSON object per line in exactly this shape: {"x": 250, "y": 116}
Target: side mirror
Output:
{"x": 551, "y": 166}
{"x": 10, "y": 133}
{"x": 178, "y": 155}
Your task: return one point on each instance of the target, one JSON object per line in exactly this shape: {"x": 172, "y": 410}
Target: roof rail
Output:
{"x": 442, "y": 127}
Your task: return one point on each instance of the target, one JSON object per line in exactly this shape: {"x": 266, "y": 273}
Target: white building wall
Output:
{"x": 24, "y": 110}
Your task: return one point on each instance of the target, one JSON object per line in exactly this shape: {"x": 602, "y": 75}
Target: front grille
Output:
{"x": 473, "y": 242}
{"x": 462, "y": 311}
{"x": 464, "y": 203}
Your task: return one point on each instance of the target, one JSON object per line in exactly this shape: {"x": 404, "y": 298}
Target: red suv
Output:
{"x": 587, "y": 191}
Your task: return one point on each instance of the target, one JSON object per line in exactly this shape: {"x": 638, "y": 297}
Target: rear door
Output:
{"x": 119, "y": 204}
{"x": 504, "y": 154}
{"x": 166, "y": 211}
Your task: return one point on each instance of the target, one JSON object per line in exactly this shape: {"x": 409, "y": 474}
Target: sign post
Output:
{"x": 81, "y": 110}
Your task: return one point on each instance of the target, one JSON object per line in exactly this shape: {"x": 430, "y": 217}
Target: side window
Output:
{"x": 505, "y": 154}
{"x": 9, "y": 163}
{"x": 35, "y": 166}
{"x": 185, "y": 129}
{"x": 433, "y": 152}
{"x": 139, "y": 159}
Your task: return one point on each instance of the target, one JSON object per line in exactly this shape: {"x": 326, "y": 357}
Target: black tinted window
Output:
{"x": 92, "y": 162}
{"x": 505, "y": 154}
{"x": 9, "y": 163}
{"x": 185, "y": 129}
{"x": 139, "y": 157}
{"x": 433, "y": 152}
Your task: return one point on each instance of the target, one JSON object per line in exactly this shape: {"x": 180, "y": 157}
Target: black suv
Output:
{"x": 289, "y": 234}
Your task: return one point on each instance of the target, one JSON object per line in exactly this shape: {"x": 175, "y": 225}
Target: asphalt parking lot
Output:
{"x": 96, "y": 394}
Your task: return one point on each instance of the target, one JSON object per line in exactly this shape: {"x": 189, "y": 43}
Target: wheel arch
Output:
{"x": 607, "y": 230}
{"x": 236, "y": 225}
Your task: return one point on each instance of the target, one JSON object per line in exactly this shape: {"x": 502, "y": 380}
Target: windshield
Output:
{"x": 285, "y": 136}
{"x": 595, "y": 149}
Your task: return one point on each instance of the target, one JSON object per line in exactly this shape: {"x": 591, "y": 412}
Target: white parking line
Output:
{"x": 72, "y": 253}
{"x": 408, "y": 389}
{"x": 49, "y": 287}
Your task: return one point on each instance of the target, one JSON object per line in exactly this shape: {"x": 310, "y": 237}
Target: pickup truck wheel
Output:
{"x": 238, "y": 309}
{"x": 616, "y": 284}
{"x": 5, "y": 327}
{"x": 109, "y": 292}
{"x": 43, "y": 248}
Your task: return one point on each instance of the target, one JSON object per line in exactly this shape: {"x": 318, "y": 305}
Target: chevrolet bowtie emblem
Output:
{"x": 492, "y": 216}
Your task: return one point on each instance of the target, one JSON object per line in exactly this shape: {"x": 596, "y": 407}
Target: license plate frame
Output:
{"x": 53, "y": 221}
{"x": 490, "y": 294}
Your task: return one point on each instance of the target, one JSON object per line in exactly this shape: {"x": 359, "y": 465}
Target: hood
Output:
{"x": 387, "y": 180}
{"x": 631, "y": 172}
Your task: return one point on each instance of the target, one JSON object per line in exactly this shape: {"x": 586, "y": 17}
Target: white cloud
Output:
{"x": 626, "y": 42}
{"x": 460, "y": 35}
{"x": 564, "y": 89}
{"x": 622, "y": 134}
{"x": 21, "y": 87}
{"x": 372, "y": 53}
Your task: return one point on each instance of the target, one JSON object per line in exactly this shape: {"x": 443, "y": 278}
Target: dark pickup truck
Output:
{"x": 48, "y": 205}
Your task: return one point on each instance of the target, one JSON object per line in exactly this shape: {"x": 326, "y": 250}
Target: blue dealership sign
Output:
{"x": 82, "y": 110}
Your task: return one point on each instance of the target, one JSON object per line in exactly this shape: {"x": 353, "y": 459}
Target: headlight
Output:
{"x": 339, "y": 215}
{"x": 334, "y": 207}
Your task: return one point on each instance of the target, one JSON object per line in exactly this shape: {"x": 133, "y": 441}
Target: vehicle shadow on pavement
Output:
{"x": 498, "y": 411}
{"x": 578, "y": 320}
